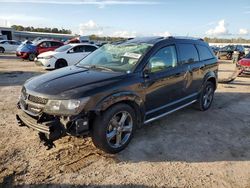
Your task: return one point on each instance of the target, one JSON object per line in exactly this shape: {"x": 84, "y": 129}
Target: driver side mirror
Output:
{"x": 146, "y": 72}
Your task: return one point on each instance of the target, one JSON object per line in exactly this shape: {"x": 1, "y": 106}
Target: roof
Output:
{"x": 155, "y": 39}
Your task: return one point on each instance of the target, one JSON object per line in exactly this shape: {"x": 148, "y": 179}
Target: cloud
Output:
{"x": 100, "y": 3}
{"x": 220, "y": 29}
{"x": 164, "y": 34}
{"x": 7, "y": 20}
{"x": 90, "y": 28}
{"x": 243, "y": 32}
{"x": 124, "y": 34}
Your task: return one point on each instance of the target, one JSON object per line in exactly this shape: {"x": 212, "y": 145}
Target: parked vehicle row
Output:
{"x": 118, "y": 88}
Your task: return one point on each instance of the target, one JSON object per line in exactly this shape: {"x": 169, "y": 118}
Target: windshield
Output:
{"x": 63, "y": 48}
{"x": 228, "y": 48}
{"x": 120, "y": 58}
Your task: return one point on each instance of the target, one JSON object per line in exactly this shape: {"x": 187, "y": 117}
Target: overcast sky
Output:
{"x": 127, "y": 18}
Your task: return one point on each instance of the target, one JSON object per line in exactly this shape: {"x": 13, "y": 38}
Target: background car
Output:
{"x": 31, "y": 51}
{"x": 247, "y": 49}
{"x": 244, "y": 64}
{"x": 66, "y": 55}
{"x": 215, "y": 49}
{"x": 8, "y": 45}
{"x": 227, "y": 51}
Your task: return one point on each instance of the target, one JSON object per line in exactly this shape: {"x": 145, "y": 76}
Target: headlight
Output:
{"x": 49, "y": 57}
{"x": 65, "y": 107}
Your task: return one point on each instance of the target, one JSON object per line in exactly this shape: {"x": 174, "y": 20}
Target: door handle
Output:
{"x": 202, "y": 66}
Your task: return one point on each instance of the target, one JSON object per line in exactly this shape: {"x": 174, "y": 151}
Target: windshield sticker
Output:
{"x": 132, "y": 55}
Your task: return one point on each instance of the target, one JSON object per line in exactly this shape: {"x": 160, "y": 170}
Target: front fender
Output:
{"x": 118, "y": 97}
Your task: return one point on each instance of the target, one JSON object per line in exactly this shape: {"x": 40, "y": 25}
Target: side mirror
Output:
{"x": 146, "y": 73}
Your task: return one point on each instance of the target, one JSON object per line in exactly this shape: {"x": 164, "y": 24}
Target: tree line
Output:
{"x": 43, "y": 30}
{"x": 221, "y": 40}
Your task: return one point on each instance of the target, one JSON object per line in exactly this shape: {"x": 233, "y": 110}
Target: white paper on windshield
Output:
{"x": 132, "y": 55}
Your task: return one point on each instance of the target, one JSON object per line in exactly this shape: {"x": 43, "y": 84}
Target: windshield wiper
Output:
{"x": 101, "y": 67}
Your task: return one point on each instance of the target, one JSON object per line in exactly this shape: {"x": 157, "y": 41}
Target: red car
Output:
{"x": 244, "y": 64}
{"x": 32, "y": 50}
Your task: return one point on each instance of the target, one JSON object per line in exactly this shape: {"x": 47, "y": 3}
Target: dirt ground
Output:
{"x": 188, "y": 148}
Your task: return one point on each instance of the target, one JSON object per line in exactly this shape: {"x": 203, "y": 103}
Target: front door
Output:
{"x": 164, "y": 82}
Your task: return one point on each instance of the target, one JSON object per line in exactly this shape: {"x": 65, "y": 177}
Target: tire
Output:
{"x": 32, "y": 57}
{"x": 206, "y": 97}
{"x": 60, "y": 63}
{"x": 109, "y": 133}
{"x": 2, "y": 50}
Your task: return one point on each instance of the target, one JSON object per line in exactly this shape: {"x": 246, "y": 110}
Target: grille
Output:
{"x": 38, "y": 100}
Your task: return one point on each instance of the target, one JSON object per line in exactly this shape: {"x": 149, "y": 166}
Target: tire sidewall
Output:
{"x": 2, "y": 50}
{"x": 32, "y": 57}
{"x": 201, "y": 102}
{"x": 59, "y": 63}
{"x": 101, "y": 124}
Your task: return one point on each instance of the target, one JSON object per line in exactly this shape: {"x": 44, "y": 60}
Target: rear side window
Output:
{"x": 204, "y": 52}
{"x": 55, "y": 44}
{"x": 188, "y": 53}
{"x": 90, "y": 48}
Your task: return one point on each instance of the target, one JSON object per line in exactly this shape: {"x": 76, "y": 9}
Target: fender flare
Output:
{"x": 125, "y": 96}
{"x": 209, "y": 75}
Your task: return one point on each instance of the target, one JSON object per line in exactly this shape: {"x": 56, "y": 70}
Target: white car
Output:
{"x": 8, "y": 46}
{"x": 66, "y": 55}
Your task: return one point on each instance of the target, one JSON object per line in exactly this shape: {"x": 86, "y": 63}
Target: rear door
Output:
{"x": 164, "y": 82}
{"x": 189, "y": 58}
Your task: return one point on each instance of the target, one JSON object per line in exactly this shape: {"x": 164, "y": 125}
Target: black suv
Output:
{"x": 118, "y": 88}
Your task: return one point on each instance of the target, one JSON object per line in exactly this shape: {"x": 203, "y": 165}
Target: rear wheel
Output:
{"x": 32, "y": 57}
{"x": 113, "y": 130}
{"x": 2, "y": 50}
{"x": 206, "y": 97}
{"x": 60, "y": 63}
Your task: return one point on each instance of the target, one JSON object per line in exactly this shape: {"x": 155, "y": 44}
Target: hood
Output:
{"x": 27, "y": 48}
{"x": 49, "y": 53}
{"x": 244, "y": 62}
{"x": 71, "y": 82}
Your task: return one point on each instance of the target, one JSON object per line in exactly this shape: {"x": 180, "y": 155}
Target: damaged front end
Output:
{"x": 38, "y": 113}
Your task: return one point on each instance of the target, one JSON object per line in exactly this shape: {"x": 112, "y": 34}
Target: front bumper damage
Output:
{"x": 51, "y": 128}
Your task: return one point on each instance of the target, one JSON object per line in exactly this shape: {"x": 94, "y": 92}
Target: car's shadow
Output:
{"x": 220, "y": 134}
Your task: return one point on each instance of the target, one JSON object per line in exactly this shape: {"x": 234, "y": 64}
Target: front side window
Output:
{"x": 163, "y": 59}
{"x": 116, "y": 57}
{"x": 188, "y": 53}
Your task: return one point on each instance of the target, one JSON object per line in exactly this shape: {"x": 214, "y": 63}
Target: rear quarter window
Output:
{"x": 204, "y": 52}
{"x": 188, "y": 53}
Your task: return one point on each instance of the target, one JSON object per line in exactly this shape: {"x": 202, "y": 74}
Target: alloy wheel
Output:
{"x": 119, "y": 129}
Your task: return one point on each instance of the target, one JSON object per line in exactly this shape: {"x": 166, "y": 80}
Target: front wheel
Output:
{"x": 206, "y": 97}
{"x": 113, "y": 130}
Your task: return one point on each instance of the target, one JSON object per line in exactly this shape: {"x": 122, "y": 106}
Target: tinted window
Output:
{"x": 77, "y": 49}
{"x": 204, "y": 52}
{"x": 90, "y": 48}
{"x": 163, "y": 59}
{"x": 55, "y": 44}
{"x": 188, "y": 53}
